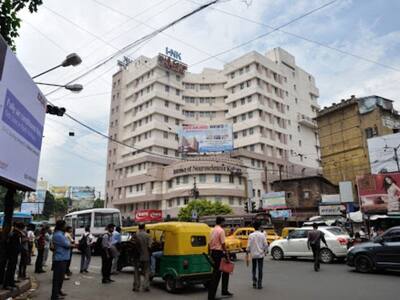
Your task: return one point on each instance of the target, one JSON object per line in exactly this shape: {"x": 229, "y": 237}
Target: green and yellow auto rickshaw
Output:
{"x": 184, "y": 258}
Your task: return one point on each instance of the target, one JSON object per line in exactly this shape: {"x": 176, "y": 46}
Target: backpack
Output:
{"x": 83, "y": 243}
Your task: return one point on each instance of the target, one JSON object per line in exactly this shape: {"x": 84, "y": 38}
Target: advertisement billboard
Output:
{"x": 331, "y": 210}
{"x": 22, "y": 114}
{"x": 346, "y": 192}
{"x": 280, "y": 214}
{"x": 330, "y": 199}
{"x": 274, "y": 200}
{"x": 382, "y": 151}
{"x": 206, "y": 138}
{"x": 379, "y": 193}
{"x": 148, "y": 215}
{"x": 79, "y": 193}
{"x": 33, "y": 202}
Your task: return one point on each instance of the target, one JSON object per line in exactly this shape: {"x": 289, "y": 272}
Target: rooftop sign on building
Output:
{"x": 171, "y": 60}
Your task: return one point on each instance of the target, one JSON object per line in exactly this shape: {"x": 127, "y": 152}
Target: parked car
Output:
{"x": 383, "y": 252}
{"x": 295, "y": 245}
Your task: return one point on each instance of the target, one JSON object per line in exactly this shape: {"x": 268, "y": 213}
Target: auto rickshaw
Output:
{"x": 184, "y": 259}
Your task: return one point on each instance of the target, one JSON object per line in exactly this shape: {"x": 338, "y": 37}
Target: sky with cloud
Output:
{"x": 96, "y": 29}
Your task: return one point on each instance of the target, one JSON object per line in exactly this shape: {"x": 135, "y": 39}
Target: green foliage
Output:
{"x": 203, "y": 208}
{"x": 98, "y": 203}
{"x": 49, "y": 203}
{"x": 9, "y": 21}
{"x": 17, "y": 199}
{"x": 61, "y": 207}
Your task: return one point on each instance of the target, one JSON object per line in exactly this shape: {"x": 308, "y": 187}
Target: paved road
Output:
{"x": 283, "y": 280}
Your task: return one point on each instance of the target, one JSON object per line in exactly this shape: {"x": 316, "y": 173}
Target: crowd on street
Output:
{"x": 24, "y": 239}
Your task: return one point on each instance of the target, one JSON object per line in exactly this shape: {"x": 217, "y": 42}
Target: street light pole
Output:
{"x": 75, "y": 88}
{"x": 72, "y": 59}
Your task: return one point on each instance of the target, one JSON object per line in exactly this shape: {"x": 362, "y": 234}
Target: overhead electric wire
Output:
{"x": 155, "y": 33}
{"x": 138, "y": 41}
{"x": 305, "y": 39}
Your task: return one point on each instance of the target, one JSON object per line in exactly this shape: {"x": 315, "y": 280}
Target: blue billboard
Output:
{"x": 206, "y": 138}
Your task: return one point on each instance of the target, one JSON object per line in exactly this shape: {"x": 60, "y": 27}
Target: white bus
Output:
{"x": 96, "y": 218}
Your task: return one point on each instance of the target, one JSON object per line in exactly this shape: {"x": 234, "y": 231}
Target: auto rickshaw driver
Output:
{"x": 157, "y": 252}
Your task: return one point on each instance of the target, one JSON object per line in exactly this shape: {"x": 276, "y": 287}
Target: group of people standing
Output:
{"x": 18, "y": 250}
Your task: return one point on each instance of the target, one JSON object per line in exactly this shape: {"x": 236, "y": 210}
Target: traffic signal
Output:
{"x": 55, "y": 110}
{"x": 253, "y": 206}
{"x": 246, "y": 207}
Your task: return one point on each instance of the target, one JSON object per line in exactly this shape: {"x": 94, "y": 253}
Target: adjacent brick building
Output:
{"x": 303, "y": 194}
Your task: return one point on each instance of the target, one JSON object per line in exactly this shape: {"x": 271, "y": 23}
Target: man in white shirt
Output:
{"x": 257, "y": 247}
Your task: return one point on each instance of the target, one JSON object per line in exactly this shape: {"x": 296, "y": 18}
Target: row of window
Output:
{"x": 261, "y": 69}
{"x": 147, "y": 119}
{"x": 146, "y": 135}
{"x": 201, "y": 114}
{"x": 136, "y": 188}
{"x": 260, "y": 83}
{"x": 197, "y": 100}
{"x": 262, "y": 114}
{"x": 261, "y": 100}
{"x": 264, "y": 132}
{"x": 197, "y": 86}
{"x": 217, "y": 178}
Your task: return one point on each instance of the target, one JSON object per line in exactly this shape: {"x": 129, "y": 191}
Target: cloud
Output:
{"x": 46, "y": 38}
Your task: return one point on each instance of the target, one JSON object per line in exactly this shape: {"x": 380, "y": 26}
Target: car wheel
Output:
{"x": 277, "y": 253}
{"x": 363, "y": 264}
{"x": 326, "y": 256}
{"x": 170, "y": 284}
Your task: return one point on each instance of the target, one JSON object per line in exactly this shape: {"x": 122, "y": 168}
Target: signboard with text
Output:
{"x": 379, "y": 193}
{"x": 82, "y": 193}
{"x": 274, "y": 200}
{"x": 148, "y": 215}
{"x": 206, "y": 138}
{"x": 330, "y": 210}
{"x": 280, "y": 214}
{"x": 22, "y": 114}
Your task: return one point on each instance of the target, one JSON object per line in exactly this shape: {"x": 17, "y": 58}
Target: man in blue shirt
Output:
{"x": 61, "y": 248}
{"x": 115, "y": 249}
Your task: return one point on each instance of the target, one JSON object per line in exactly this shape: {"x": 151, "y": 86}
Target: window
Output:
{"x": 167, "y": 88}
{"x": 217, "y": 178}
{"x": 185, "y": 179}
{"x": 178, "y": 180}
{"x": 165, "y": 135}
{"x": 250, "y": 114}
{"x": 202, "y": 178}
{"x": 178, "y": 202}
{"x": 84, "y": 220}
{"x": 198, "y": 241}
{"x": 177, "y": 106}
{"x": 306, "y": 195}
{"x": 166, "y": 119}
{"x": 251, "y": 131}
{"x": 169, "y": 203}
{"x": 178, "y": 92}
{"x": 231, "y": 179}
{"x": 169, "y": 184}
{"x": 298, "y": 234}
{"x": 370, "y": 132}
{"x": 165, "y": 151}
{"x": 231, "y": 201}
{"x": 103, "y": 219}
{"x": 166, "y": 103}
{"x": 186, "y": 201}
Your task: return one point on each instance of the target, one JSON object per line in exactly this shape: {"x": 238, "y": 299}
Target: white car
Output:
{"x": 295, "y": 245}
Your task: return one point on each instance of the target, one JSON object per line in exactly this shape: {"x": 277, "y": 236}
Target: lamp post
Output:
{"x": 72, "y": 59}
{"x": 75, "y": 88}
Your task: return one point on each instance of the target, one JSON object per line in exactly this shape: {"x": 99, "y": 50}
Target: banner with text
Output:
{"x": 206, "y": 138}
{"x": 22, "y": 114}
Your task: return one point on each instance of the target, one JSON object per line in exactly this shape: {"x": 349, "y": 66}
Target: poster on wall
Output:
{"x": 22, "y": 114}
{"x": 379, "y": 193}
{"x": 206, "y": 138}
{"x": 80, "y": 193}
{"x": 382, "y": 151}
{"x": 148, "y": 215}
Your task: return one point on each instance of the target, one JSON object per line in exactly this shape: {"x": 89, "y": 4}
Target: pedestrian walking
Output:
{"x": 23, "y": 261}
{"x": 62, "y": 249}
{"x": 218, "y": 252}
{"x": 69, "y": 236}
{"x": 106, "y": 255}
{"x": 257, "y": 247}
{"x": 315, "y": 237}
{"x": 40, "y": 244}
{"x": 13, "y": 249}
{"x": 85, "y": 246}
{"x": 115, "y": 249}
{"x": 144, "y": 243}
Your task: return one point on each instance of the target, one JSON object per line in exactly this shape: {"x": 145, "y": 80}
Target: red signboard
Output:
{"x": 379, "y": 193}
{"x": 148, "y": 215}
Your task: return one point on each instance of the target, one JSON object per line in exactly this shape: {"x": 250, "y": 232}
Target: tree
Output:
{"x": 203, "y": 208}
{"x": 9, "y": 22}
{"x": 49, "y": 205}
{"x": 98, "y": 203}
{"x": 61, "y": 207}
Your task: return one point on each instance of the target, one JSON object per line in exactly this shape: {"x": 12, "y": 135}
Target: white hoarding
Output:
{"x": 382, "y": 151}
{"x": 22, "y": 114}
{"x": 346, "y": 192}
{"x": 274, "y": 200}
{"x": 330, "y": 199}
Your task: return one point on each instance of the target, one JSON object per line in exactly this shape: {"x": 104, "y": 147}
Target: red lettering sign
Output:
{"x": 148, "y": 215}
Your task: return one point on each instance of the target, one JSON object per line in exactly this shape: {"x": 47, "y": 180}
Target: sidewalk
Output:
{"x": 23, "y": 287}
